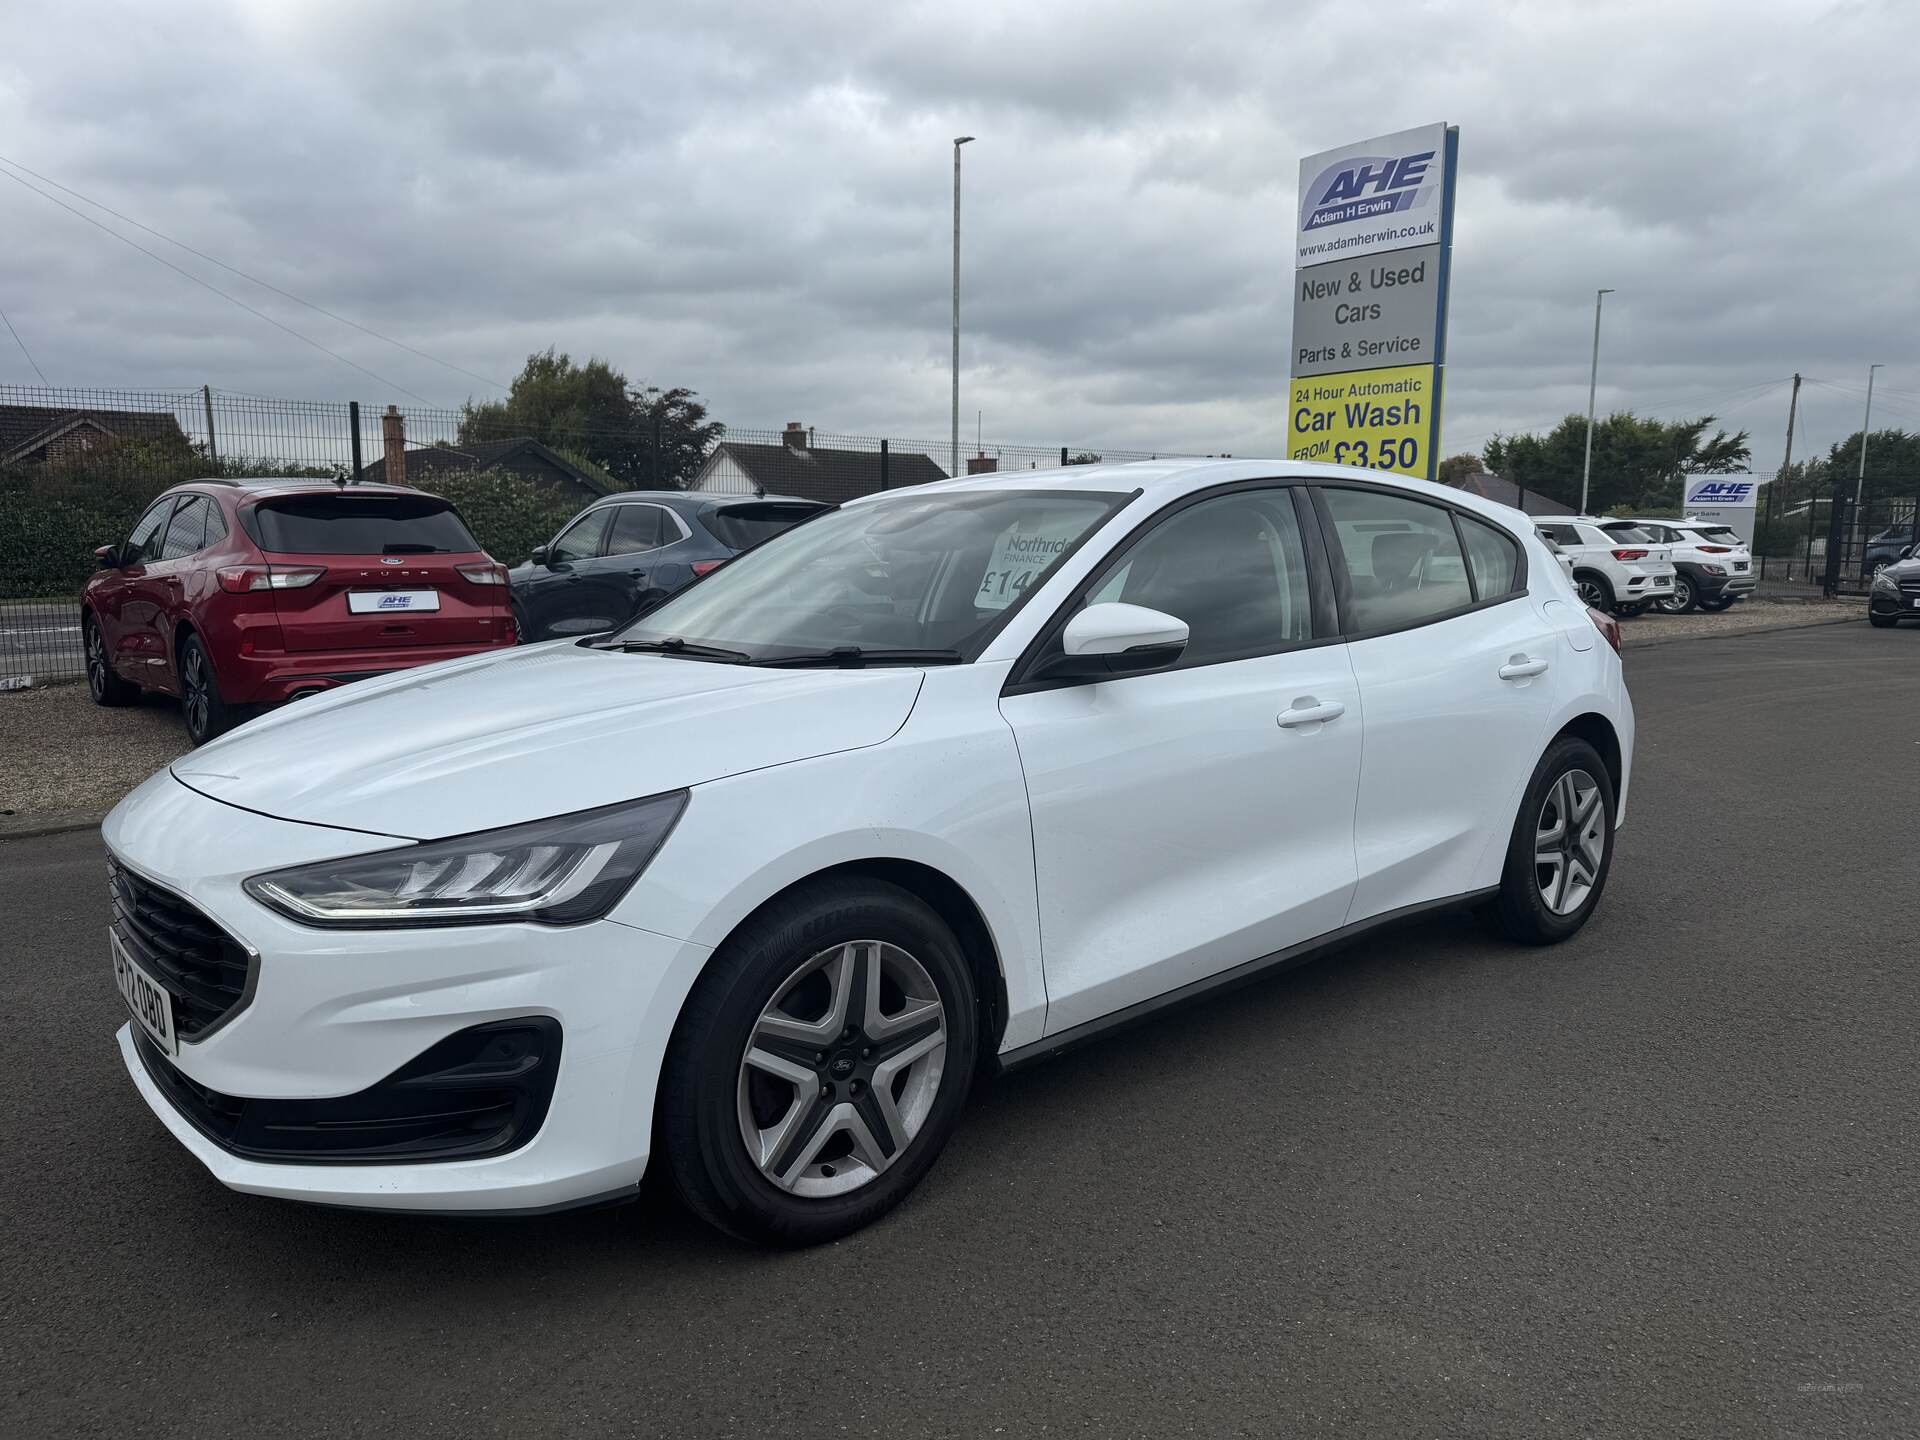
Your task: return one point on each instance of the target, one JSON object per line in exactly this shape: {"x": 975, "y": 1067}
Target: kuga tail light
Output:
{"x": 487, "y": 574}
{"x": 706, "y": 567}
{"x": 1607, "y": 626}
{"x": 238, "y": 579}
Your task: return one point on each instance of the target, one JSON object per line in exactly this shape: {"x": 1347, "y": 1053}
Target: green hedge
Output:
{"x": 50, "y": 522}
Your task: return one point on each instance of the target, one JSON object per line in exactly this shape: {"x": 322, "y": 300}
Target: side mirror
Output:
{"x": 540, "y": 555}
{"x": 106, "y": 557}
{"x": 1116, "y": 639}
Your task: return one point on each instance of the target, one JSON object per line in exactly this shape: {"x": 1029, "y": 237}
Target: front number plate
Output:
{"x": 151, "y": 1005}
{"x": 382, "y": 602}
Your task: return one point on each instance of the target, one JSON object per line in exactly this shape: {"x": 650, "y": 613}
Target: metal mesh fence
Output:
{"x": 77, "y": 467}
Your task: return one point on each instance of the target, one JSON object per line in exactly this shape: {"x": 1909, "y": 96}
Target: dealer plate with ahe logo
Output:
{"x": 387, "y": 602}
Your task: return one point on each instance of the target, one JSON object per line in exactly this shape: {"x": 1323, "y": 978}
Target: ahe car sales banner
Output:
{"x": 1372, "y": 253}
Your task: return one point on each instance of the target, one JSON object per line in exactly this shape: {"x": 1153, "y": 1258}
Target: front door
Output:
{"x": 125, "y": 604}
{"x": 1188, "y": 820}
{"x": 569, "y": 595}
{"x": 1456, "y": 664}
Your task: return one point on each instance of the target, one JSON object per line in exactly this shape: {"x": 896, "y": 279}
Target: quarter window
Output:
{"x": 1494, "y": 557}
{"x": 1233, "y": 567}
{"x": 581, "y": 540}
{"x": 187, "y": 530}
{"x": 1404, "y": 564}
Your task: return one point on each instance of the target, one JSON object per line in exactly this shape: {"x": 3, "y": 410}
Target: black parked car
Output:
{"x": 624, "y": 554}
{"x": 1891, "y": 544}
{"x": 1895, "y": 595}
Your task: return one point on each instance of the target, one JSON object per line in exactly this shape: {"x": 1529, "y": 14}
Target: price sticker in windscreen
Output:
{"x": 1021, "y": 555}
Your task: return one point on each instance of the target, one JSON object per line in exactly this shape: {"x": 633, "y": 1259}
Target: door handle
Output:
{"x": 1308, "y": 711}
{"x": 1522, "y": 668}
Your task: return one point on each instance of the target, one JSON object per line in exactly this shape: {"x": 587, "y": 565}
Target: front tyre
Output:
{"x": 1681, "y": 601}
{"x": 820, "y": 1064}
{"x": 1882, "y": 622}
{"x": 1561, "y": 850}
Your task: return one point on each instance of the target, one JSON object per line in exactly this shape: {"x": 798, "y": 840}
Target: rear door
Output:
{"x": 384, "y": 572}
{"x": 640, "y": 568}
{"x": 1457, "y": 669}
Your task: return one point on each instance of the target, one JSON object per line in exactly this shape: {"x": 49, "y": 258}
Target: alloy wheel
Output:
{"x": 96, "y": 662}
{"x": 1681, "y": 598}
{"x": 1569, "y": 842}
{"x": 842, "y": 1068}
{"x": 193, "y": 682}
{"x": 1591, "y": 595}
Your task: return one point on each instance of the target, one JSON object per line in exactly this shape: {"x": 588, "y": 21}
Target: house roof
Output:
{"x": 25, "y": 428}
{"x": 487, "y": 455}
{"x": 826, "y": 475}
{"x": 1505, "y": 492}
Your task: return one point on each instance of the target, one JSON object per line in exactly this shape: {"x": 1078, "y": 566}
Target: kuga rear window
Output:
{"x": 740, "y": 527}
{"x": 359, "y": 525}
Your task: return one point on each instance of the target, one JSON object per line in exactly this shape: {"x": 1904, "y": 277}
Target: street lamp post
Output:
{"x": 959, "y": 140}
{"x": 1593, "y": 383}
{"x": 1860, "y": 481}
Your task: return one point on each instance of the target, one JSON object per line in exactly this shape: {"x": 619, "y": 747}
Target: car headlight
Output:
{"x": 1885, "y": 580}
{"x": 554, "y": 872}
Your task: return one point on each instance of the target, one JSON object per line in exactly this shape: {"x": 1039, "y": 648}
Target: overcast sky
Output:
{"x": 753, "y": 199}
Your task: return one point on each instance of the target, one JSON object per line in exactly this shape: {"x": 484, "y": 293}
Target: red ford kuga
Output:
{"x": 235, "y": 593}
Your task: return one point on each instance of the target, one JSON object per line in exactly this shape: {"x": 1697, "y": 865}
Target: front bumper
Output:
{"x": 1903, "y": 603}
{"x": 334, "y": 1013}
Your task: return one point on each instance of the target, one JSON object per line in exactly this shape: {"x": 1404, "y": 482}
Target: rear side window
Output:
{"x": 347, "y": 524}
{"x": 1494, "y": 557}
{"x": 639, "y": 527}
{"x": 187, "y": 530}
{"x": 216, "y": 525}
{"x": 1404, "y": 563}
{"x": 741, "y": 527}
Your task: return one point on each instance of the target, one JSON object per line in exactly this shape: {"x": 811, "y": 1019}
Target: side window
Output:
{"x": 1233, "y": 567}
{"x": 581, "y": 540}
{"x": 1494, "y": 557}
{"x": 638, "y": 527}
{"x": 187, "y": 530}
{"x": 1403, "y": 559}
{"x": 144, "y": 543}
{"x": 1562, "y": 535}
{"x": 216, "y": 525}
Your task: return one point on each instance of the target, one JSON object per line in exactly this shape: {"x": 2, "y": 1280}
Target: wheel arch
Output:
{"x": 1594, "y": 728}
{"x": 948, "y": 899}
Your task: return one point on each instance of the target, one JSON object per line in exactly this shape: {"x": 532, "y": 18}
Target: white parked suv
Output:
{"x": 940, "y": 782}
{"x": 1620, "y": 572}
{"x": 1712, "y": 565}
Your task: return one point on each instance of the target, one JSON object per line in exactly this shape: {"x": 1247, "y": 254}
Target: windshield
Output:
{"x": 359, "y": 525}
{"x": 919, "y": 572}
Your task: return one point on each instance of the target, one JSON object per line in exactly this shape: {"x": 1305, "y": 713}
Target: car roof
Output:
{"x": 1166, "y": 479}
{"x": 299, "y": 484}
{"x": 697, "y": 499}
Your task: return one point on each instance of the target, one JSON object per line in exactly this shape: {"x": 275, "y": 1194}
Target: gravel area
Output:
{"x": 1653, "y": 628}
{"x": 67, "y": 756}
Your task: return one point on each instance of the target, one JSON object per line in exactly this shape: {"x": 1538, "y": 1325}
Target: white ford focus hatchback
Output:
{"x": 934, "y": 784}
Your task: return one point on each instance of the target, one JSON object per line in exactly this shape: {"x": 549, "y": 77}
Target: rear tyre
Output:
{"x": 1681, "y": 601}
{"x": 1627, "y": 612}
{"x": 1714, "y": 607}
{"x": 521, "y": 634}
{"x": 106, "y": 687}
{"x": 820, "y": 1064}
{"x": 206, "y": 714}
{"x": 1882, "y": 622}
{"x": 1595, "y": 592}
{"x": 1561, "y": 850}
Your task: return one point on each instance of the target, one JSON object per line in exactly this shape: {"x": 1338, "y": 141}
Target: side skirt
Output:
{"x": 1232, "y": 979}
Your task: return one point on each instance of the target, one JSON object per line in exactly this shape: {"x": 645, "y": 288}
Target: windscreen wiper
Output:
{"x": 853, "y": 657}
{"x": 674, "y": 645}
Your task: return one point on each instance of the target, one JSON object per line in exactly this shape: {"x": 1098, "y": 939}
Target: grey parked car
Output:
{"x": 624, "y": 554}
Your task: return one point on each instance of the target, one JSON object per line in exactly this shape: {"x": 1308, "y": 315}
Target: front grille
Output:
{"x": 481, "y": 1091}
{"x": 208, "y": 973}
{"x": 1910, "y": 587}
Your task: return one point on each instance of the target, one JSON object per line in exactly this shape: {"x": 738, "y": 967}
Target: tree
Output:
{"x": 592, "y": 410}
{"x": 1638, "y": 463}
{"x": 1893, "y": 465}
{"x": 1456, "y": 468}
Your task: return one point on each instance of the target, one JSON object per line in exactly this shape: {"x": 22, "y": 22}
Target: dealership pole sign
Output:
{"x": 1726, "y": 500}
{"x": 1372, "y": 255}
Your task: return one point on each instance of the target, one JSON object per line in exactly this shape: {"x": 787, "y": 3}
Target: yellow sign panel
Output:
{"x": 1381, "y": 418}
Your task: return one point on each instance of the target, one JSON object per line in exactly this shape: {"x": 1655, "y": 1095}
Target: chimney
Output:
{"x": 982, "y": 464}
{"x": 393, "y": 431}
{"x": 796, "y": 436}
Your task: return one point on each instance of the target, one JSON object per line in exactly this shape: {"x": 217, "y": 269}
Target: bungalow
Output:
{"x": 525, "y": 457}
{"x": 36, "y": 434}
{"x": 796, "y": 467}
